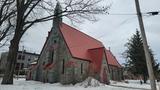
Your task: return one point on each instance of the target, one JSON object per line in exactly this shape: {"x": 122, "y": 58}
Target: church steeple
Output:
{"x": 58, "y": 15}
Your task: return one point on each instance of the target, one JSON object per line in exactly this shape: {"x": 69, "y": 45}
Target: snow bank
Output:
{"x": 90, "y": 82}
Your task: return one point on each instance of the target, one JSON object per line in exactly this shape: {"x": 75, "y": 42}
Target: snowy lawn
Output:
{"x": 22, "y": 84}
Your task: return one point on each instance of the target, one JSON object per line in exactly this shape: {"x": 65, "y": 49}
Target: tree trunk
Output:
{"x": 11, "y": 60}
{"x": 14, "y": 46}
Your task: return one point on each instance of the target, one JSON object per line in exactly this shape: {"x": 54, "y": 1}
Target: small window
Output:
{"x": 19, "y": 56}
{"x": 63, "y": 66}
{"x": 29, "y": 59}
{"x": 81, "y": 68}
{"x": 55, "y": 41}
{"x": 17, "y": 66}
{"x": 52, "y": 56}
{"x": 43, "y": 63}
{"x": 22, "y": 65}
{"x": 23, "y": 57}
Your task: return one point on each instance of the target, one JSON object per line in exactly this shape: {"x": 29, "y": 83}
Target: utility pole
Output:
{"x": 19, "y": 70}
{"x": 146, "y": 48}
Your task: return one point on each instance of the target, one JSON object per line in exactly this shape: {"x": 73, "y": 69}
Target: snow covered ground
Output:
{"x": 135, "y": 84}
{"x": 21, "y": 84}
{"x": 132, "y": 84}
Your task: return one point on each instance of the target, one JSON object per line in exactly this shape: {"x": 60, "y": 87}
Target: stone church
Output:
{"x": 70, "y": 56}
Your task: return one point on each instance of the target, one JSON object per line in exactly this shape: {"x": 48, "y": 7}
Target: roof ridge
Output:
{"x": 26, "y": 52}
{"x": 96, "y": 48}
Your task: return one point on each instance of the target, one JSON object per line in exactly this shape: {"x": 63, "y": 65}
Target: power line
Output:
{"x": 121, "y": 14}
{"x": 146, "y": 13}
{"x": 132, "y": 14}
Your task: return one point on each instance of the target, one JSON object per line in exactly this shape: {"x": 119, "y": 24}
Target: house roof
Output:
{"x": 84, "y": 47}
{"x": 78, "y": 42}
{"x": 25, "y": 52}
{"x": 112, "y": 59}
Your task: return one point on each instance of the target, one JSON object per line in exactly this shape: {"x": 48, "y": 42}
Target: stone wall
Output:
{"x": 76, "y": 72}
{"x": 115, "y": 73}
{"x": 50, "y": 53}
{"x": 65, "y": 68}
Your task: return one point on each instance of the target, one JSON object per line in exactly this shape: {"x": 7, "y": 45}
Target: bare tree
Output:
{"x": 7, "y": 14}
{"x": 28, "y": 14}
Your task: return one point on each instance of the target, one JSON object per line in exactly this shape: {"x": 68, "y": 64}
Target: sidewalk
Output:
{"x": 130, "y": 87}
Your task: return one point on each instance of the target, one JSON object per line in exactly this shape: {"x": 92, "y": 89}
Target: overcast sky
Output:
{"x": 112, "y": 30}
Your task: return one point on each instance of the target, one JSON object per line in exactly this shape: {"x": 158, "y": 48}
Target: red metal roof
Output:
{"x": 84, "y": 47}
{"x": 112, "y": 59}
{"x": 78, "y": 42}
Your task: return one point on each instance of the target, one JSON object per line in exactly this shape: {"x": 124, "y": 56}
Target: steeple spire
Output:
{"x": 57, "y": 13}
